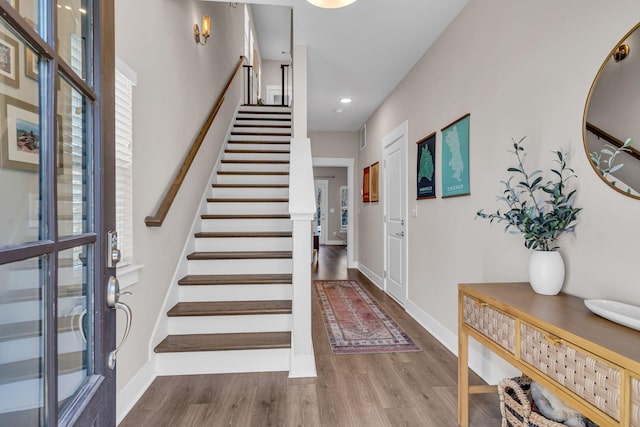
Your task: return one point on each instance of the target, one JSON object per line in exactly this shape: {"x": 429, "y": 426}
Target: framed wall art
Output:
{"x": 426, "y": 168}
{"x": 375, "y": 174}
{"x": 20, "y": 141}
{"x": 366, "y": 175}
{"x": 30, "y": 64}
{"x": 9, "y": 64}
{"x": 455, "y": 158}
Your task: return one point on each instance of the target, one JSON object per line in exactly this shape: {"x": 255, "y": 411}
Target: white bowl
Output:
{"x": 624, "y": 314}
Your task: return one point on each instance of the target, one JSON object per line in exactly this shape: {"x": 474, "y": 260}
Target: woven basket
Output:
{"x": 515, "y": 406}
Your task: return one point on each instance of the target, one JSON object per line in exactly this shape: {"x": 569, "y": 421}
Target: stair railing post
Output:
{"x": 248, "y": 68}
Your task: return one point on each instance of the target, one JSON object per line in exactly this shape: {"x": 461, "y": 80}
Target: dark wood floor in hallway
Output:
{"x": 391, "y": 389}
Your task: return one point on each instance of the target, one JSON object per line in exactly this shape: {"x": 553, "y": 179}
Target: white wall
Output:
{"x": 519, "y": 68}
{"x": 178, "y": 83}
{"x": 272, "y": 76}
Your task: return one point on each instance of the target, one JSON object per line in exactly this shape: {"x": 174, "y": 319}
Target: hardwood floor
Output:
{"x": 390, "y": 389}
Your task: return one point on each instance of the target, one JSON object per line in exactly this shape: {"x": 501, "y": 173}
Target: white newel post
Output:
{"x": 302, "y": 209}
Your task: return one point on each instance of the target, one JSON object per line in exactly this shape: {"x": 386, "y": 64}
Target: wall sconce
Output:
{"x": 621, "y": 52}
{"x": 206, "y": 30}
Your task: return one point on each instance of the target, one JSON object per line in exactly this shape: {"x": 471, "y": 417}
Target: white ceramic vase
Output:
{"x": 546, "y": 272}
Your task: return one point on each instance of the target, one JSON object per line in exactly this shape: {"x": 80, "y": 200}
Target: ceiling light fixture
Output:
{"x": 331, "y": 4}
{"x": 345, "y": 100}
{"x": 83, "y": 11}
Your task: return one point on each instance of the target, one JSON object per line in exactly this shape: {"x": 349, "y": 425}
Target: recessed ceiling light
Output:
{"x": 67, "y": 7}
{"x": 345, "y": 100}
{"x": 83, "y": 11}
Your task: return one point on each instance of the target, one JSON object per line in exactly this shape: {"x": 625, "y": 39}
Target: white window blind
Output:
{"x": 344, "y": 207}
{"x": 124, "y": 165}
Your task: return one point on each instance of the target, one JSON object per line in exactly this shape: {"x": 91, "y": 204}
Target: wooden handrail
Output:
{"x": 157, "y": 219}
{"x": 611, "y": 139}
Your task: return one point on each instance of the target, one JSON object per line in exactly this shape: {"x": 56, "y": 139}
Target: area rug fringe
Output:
{"x": 356, "y": 323}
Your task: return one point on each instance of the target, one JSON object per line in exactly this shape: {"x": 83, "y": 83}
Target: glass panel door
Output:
{"x": 55, "y": 150}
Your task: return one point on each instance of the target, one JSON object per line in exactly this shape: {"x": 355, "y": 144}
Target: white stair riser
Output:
{"x": 283, "y": 139}
{"x": 31, "y": 310}
{"x": 250, "y": 192}
{"x": 264, "y": 108}
{"x": 219, "y": 362}
{"x": 235, "y": 292}
{"x": 263, "y": 130}
{"x": 24, "y": 395}
{"x": 264, "y": 122}
{"x": 229, "y": 324}
{"x": 234, "y": 225}
{"x": 248, "y": 208}
{"x": 256, "y": 156}
{"x": 30, "y": 348}
{"x": 253, "y": 179}
{"x": 249, "y": 146}
{"x": 240, "y": 266}
{"x": 256, "y": 167}
{"x": 241, "y": 244}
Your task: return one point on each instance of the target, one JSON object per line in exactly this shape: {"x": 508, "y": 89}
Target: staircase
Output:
{"x": 234, "y": 309}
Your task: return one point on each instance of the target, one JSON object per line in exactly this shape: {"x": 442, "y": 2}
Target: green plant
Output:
{"x": 540, "y": 211}
{"x": 604, "y": 160}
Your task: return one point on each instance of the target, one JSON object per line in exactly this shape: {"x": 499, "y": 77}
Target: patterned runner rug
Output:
{"x": 356, "y": 323}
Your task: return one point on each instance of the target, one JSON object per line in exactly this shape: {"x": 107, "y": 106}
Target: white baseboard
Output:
{"x": 129, "y": 395}
{"x": 486, "y": 364}
{"x": 302, "y": 366}
{"x": 377, "y": 280}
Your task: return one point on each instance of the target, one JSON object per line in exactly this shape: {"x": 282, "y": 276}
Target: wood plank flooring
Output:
{"x": 368, "y": 390}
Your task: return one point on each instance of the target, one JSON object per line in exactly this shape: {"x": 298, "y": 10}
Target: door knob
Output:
{"x": 113, "y": 301}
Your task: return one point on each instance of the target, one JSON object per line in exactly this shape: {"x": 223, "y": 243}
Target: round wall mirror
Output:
{"x": 612, "y": 117}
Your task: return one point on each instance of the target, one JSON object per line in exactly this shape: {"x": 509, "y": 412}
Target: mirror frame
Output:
{"x": 586, "y": 109}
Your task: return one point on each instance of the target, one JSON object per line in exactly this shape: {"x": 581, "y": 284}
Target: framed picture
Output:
{"x": 426, "y": 165}
{"x": 365, "y": 184}
{"x": 375, "y": 169}
{"x": 363, "y": 136}
{"x": 9, "y": 66}
{"x": 30, "y": 63}
{"x": 455, "y": 158}
{"x": 14, "y": 4}
{"x": 20, "y": 135}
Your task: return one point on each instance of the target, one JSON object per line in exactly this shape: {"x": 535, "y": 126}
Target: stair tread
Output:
{"x": 261, "y": 133}
{"x": 258, "y": 141}
{"x": 244, "y": 125}
{"x": 221, "y": 342}
{"x": 244, "y": 234}
{"x": 233, "y": 151}
{"x": 251, "y": 173}
{"x": 230, "y": 308}
{"x": 235, "y": 279}
{"x": 246, "y": 200}
{"x": 31, "y": 368}
{"x": 245, "y": 216}
{"x": 199, "y": 256}
{"x": 278, "y": 119}
{"x": 250, "y": 185}
{"x": 35, "y": 294}
{"x": 257, "y": 162}
{"x": 32, "y": 328}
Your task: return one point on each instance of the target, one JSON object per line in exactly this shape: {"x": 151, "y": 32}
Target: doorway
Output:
{"x": 56, "y": 183}
{"x": 395, "y": 212}
{"x": 322, "y": 206}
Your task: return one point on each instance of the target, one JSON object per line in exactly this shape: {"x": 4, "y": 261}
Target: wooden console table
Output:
{"x": 589, "y": 362}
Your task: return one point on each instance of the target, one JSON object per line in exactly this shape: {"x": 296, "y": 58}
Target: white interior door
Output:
{"x": 395, "y": 208}
{"x": 322, "y": 206}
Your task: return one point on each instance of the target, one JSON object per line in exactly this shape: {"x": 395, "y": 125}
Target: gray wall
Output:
{"x": 336, "y": 177}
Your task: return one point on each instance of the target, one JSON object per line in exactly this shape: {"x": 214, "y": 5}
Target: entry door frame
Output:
{"x": 400, "y": 133}
{"x": 349, "y": 163}
{"x": 324, "y": 207}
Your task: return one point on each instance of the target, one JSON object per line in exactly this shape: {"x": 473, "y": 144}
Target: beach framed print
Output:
{"x": 426, "y": 168}
{"x": 20, "y": 144}
{"x": 455, "y": 158}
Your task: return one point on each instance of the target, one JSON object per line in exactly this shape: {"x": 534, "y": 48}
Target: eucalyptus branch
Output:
{"x": 541, "y": 211}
